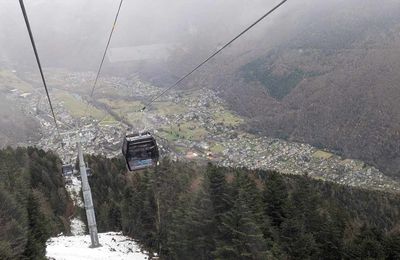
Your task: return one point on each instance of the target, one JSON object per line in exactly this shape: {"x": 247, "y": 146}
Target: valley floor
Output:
{"x": 195, "y": 125}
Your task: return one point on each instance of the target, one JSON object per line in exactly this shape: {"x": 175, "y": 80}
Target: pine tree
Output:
{"x": 192, "y": 231}
{"x": 128, "y": 212}
{"x": 147, "y": 212}
{"x": 392, "y": 246}
{"x": 330, "y": 235}
{"x": 241, "y": 225}
{"x": 295, "y": 242}
{"x": 275, "y": 198}
{"x": 6, "y": 252}
{"x": 38, "y": 233}
{"x": 296, "y": 237}
{"x": 368, "y": 244}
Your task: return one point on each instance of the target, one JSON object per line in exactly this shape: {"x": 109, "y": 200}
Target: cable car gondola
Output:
{"x": 140, "y": 151}
{"x": 67, "y": 170}
{"x": 89, "y": 172}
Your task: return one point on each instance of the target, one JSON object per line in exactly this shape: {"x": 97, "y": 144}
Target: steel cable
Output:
{"x": 212, "y": 56}
{"x": 21, "y": 2}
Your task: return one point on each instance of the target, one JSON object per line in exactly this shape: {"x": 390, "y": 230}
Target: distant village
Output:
{"x": 201, "y": 129}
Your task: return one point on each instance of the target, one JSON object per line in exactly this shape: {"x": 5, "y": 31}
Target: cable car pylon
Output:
{"x": 88, "y": 201}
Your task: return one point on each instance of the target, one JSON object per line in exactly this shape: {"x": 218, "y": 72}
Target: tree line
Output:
{"x": 181, "y": 210}
{"x": 34, "y": 204}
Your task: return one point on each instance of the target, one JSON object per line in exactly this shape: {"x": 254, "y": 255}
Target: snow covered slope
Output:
{"x": 74, "y": 189}
{"x": 114, "y": 246}
{"x": 76, "y": 247}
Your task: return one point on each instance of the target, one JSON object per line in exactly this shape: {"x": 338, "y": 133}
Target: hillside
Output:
{"x": 347, "y": 100}
{"x": 283, "y": 146}
{"x": 329, "y": 80}
{"x": 185, "y": 210}
{"x": 323, "y": 73}
{"x": 16, "y": 126}
{"x": 34, "y": 203}
{"x": 191, "y": 211}
{"x": 190, "y": 125}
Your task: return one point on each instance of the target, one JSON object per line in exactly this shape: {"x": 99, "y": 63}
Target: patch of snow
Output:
{"x": 76, "y": 247}
{"x": 74, "y": 190}
{"x": 114, "y": 246}
{"x": 77, "y": 227}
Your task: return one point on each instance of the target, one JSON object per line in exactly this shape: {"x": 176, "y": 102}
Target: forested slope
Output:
{"x": 188, "y": 211}
{"x": 33, "y": 202}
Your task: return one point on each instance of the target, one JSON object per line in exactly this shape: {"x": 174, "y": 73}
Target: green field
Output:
{"x": 168, "y": 135}
{"x": 10, "y": 81}
{"x": 187, "y": 130}
{"x": 128, "y": 110}
{"x": 217, "y": 148}
{"x": 227, "y": 118}
{"x": 169, "y": 108}
{"x": 77, "y": 107}
{"x": 322, "y": 155}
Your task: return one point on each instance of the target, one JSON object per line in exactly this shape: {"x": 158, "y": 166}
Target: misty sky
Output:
{"x": 75, "y": 31}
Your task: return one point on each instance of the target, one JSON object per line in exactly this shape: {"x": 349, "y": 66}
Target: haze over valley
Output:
{"x": 316, "y": 73}
{"x": 281, "y": 145}
{"x": 189, "y": 125}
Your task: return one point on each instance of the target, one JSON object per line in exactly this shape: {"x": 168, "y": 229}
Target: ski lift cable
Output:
{"x": 103, "y": 58}
{"x": 105, "y": 51}
{"x": 152, "y": 100}
{"x": 21, "y": 2}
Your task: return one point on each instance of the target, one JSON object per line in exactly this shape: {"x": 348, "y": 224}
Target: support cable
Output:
{"x": 105, "y": 51}
{"x": 21, "y": 2}
{"x": 154, "y": 98}
{"x": 103, "y": 58}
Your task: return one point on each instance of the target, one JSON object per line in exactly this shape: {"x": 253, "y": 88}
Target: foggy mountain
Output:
{"x": 16, "y": 128}
{"x": 321, "y": 72}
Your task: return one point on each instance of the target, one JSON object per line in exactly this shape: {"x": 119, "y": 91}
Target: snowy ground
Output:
{"x": 76, "y": 247}
{"x": 74, "y": 190}
{"x": 114, "y": 246}
{"x": 77, "y": 225}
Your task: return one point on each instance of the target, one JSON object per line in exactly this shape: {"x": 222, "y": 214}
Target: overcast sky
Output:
{"x": 73, "y": 31}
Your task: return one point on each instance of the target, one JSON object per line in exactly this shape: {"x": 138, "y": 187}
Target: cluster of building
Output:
{"x": 302, "y": 159}
{"x": 240, "y": 149}
{"x": 208, "y": 135}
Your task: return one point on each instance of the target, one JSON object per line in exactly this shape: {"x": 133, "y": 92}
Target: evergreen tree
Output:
{"x": 6, "y": 252}
{"x": 295, "y": 242}
{"x": 192, "y": 229}
{"x": 243, "y": 237}
{"x": 330, "y": 235}
{"x": 275, "y": 198}
{"x": 219, "y": 191}
{"x": 38, "y": 232}
{"x": 141, "y": 207}
{"x": 181, "y": 213}
{"x": 296, "y": 233}
{"x": 128, "y": 212}
{"x": 368, "y": 244}
{"x": 392, "y": 246}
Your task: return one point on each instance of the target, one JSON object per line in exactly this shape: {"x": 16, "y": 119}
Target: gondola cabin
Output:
{"x": 67, "y": 170}
{"x": 140, "y": 151}
{"x": 89, "y": 172}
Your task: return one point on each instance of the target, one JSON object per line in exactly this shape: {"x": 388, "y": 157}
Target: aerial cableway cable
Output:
{"x": 210, "y": 57}
{"x": 21, "y": 2}
{"x": 105, "y": 51}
